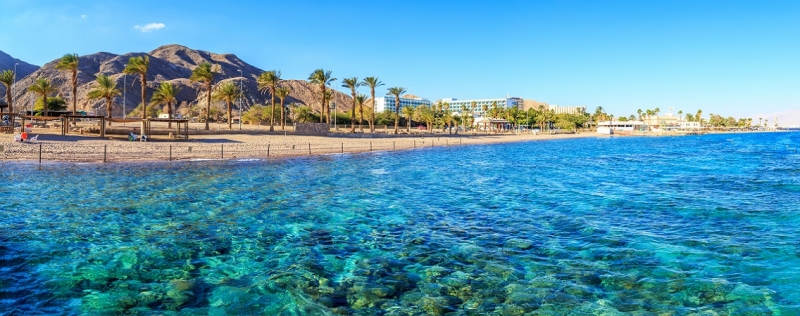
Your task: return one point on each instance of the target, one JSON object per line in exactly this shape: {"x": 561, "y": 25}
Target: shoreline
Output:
{"x": 240, "y": 146}
{"x": 219, "y": 147}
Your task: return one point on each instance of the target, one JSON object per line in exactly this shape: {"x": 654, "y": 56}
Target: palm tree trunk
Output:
{"x": 372, "y": 118}
{"x": 230, "y": 118}
{"x": 44, "y": 104}
{"x": 271, "y": 116}
{"x": 144, "y": 96}
{"x": 208, "y": 104}
{"x": 283, "y": 117}
{"x": 169, "y": 112}
{"x": 74, "y": 91}
{"x": 322, "y": 106}
{"x": 361, "y": 117}
{"x": 353, "y": 113}
{"x": 397, "y": 116}
{"x": 108, "y": 108}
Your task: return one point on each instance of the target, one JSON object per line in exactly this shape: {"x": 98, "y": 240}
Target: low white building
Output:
{"x": 690, "y": 125}
{"x": 619, "y": 127}
{"x": 574, "y": 110}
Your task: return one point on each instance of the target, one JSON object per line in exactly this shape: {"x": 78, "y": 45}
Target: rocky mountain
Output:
{"x": 23, "y": 69}
{"x": 171, "y": 63}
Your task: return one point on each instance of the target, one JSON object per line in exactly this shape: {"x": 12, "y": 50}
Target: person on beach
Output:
{"x": 23, "y": 137}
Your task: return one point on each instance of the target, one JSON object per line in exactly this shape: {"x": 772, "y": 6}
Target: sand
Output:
{"x": 248, "y": 144}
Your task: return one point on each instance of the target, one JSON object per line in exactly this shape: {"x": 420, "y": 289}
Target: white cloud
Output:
{"x": 150, "y": 27}
{"x": 83, "y": 16}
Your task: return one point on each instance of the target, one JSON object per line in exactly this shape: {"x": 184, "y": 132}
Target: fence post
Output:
{"x": 343, "y": 148}
{"x": 309, "y": 149}
{"x": 394, "y": 145}
{"x": 170, "y": 152}
{"x": 370, "y": 146}
{"x": 222, "y": 151}
{"x": 40, "y": 153}
{"x": 105, "y": 152}
{"x": 415, "y": 143}
{"x": 267, "y": 150}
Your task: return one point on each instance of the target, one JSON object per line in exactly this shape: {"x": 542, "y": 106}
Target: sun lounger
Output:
{"x": 33, "y": 139}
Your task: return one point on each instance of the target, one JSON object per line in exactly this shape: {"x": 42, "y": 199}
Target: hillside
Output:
{"x": 23, "y": 69}
{"x": 172, "y": 63}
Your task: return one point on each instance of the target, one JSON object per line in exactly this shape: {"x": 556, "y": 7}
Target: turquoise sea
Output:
{"x": 693, "y": 225}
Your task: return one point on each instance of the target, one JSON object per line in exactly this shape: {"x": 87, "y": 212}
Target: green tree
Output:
{"x": 7, "y": 79}
{"x": 268, "y": 81}
{"x": 138, "y": 65}
{"x": 427, "y": 115}
{"x": 303, "y": 114}
{"x": 227, "y": 92}
{"x": 282, "y": 93}
{"x": 352, "y": 84}
{"x": 205, "y": 73}
{"x": 256, "y": 114}
{"x": 167, "y": 94}
{"x": 69, "y": 63}
{"x": 372, "y": 83}
{"x": 360, "y": 99}
{"x": 396, "y": 92}
{"x": 44, "y": 88}
{"x": 323, "y": 79}
{"x": 56, "y": 103}
{"x": 105, "y": 89}
{"x": 408, "y": 113}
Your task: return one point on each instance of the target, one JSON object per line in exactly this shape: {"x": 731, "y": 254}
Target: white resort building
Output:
{"x": 619, "y": 127}
{"x": 387, "y": 103}
{"x": 503, "y": 103}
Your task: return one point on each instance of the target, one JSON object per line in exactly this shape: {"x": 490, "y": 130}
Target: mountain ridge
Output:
{"x": 168, "y": 63}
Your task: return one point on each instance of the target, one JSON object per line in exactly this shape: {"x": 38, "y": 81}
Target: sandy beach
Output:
{"x": 51, "y": 146}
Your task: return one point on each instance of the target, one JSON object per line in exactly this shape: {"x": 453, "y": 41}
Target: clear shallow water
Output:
{"x": 675, "y": 225}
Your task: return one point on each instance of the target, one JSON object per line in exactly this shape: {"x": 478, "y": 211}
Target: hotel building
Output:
{"x": 387, "y": 103}
{"x": 504, "y": 103}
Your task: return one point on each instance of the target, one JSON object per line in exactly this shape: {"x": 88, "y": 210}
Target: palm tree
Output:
{"x": 228, "y": 92}
{"x": 639, "y": 112}
{"x": 282, "y": 93}
{"x": 699, "y": 117}
{"x": 167, "y": 94}
{"x": 106, "y": 89}
{"x": 139, "y": 65}
{"x": 396, "y": 92}
{"x": 7, "y": 79}
{"x": 205, "y": 73}
{"x": 268, "y": 81}
{"x": 323, "y": 79}
{"x": 372, "y": 82}
{"x": 44, "y": 88}
{"x": 408, "y": 112}
{"x": 352, "y": 84}
{"x": 69, "y": 63}
{"x": 360, "y": 99}
{"x": 680, "y": 113}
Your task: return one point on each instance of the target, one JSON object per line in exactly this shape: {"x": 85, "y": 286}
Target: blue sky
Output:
{"x": 736, "y": 58}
